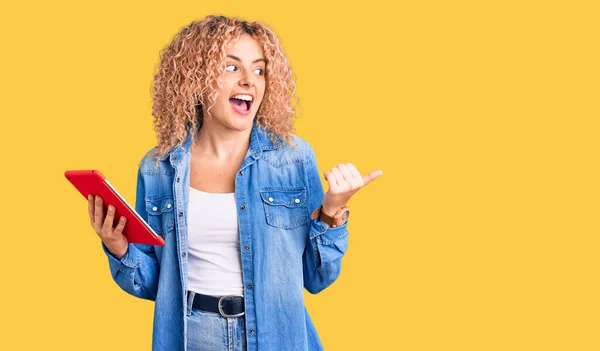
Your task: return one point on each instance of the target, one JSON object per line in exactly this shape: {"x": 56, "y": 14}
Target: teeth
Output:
{"x": 242, "y": 97}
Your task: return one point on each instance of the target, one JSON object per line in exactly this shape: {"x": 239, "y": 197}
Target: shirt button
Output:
{"x": 250, "y": 286}
{"x": 270, "y": 199}
{"x": 183, "y": 254}
{"x": 243, "y": 207}
{"x": 297, "y": 201}
{"x": 169, "y": 206}
{"x": 252, "y": 331}
{"x": 177, "y": 179}
{"x": 247, "y": 248}
{"x": 180, "y": 214}
{"x": 154, "y": 208}
{"x": 241, "y": 172}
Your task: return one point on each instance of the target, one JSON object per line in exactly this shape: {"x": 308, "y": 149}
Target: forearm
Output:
{"x": 137, "y": 271}
{"x": 323, "y": 255}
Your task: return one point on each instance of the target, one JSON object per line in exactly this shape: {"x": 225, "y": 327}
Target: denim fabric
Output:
{"x": 282, "y": 250}
{"x": 209, "y": 331}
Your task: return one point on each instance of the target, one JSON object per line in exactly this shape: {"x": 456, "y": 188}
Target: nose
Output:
{"x": 247, "y": 81}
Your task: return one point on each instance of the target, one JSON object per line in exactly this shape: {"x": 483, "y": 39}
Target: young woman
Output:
{"x": 236, "y": 197}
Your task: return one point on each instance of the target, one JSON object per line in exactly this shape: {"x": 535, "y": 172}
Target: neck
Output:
{"x": 216, "y": 141}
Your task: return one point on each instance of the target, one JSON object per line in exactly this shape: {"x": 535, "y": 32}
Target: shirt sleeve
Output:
{"x": 326, "y": 246}
{"x": 137, "y": 271}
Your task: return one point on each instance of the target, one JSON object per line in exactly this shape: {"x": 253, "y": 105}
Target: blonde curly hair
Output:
{"x": 189, "y": 74}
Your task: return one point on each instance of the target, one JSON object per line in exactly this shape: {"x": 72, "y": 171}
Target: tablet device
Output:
{"x": 137, "y": 231}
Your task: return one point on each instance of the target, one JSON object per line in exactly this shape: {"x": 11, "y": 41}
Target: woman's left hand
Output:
{"x": 344, "y": 181}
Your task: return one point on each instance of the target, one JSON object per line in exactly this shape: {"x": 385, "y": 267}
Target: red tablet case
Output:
{"x": 136, "y": 230}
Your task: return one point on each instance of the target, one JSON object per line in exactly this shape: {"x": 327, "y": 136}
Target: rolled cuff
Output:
{"x": 327, "y": 234}
{"x": 128, "y": 263}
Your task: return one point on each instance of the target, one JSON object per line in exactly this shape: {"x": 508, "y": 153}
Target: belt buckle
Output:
{"x": 221, "y": 308}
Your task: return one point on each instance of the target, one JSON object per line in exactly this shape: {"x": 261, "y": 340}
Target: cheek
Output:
{"x": 223, "y": 98}
{"x": 226, "y": 90}
{"x": 261, "y": 89}
{"x": 218, "y": 105}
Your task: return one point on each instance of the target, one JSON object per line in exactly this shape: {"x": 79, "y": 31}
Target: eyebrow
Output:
{"x": 255, "y": 61}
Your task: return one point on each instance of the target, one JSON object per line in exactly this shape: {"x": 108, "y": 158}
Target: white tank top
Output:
{"x": 214, "y": 266}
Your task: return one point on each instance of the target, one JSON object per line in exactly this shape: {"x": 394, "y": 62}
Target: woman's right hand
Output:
{"x": 113, "y": 238}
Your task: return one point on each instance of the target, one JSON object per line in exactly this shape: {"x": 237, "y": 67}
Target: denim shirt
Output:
{"x": 282, "y": 250}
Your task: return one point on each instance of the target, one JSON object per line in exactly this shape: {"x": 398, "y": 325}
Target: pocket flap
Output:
{"x": 156, "y": 206}
{"x": 288, "y": 198}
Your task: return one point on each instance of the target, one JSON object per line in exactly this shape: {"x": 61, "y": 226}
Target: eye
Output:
{"x": 259, "y": 71}
{"x": 231, "y": 68}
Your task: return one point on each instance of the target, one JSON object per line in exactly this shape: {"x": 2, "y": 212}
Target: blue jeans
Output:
{"x": 208, "y": 331}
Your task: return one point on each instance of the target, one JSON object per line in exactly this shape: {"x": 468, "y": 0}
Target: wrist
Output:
{"x": 338, "y": 218}
{"x": 331, "y": 210}
{"x": 118, "y": 252}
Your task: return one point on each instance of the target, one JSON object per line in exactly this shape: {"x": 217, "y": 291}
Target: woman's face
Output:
{"x": 243, "y": 85}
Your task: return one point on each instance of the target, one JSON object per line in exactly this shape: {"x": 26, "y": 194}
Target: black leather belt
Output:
{"x": 228, "y": 306}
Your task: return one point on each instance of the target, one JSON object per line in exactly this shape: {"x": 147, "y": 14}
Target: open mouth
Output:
{"x": 241, "y": 103}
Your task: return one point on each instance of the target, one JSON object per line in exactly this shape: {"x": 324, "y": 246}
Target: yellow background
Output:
{"x": 483, "y": 233}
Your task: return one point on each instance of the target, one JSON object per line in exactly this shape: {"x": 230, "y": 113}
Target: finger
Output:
{"x": 120, "y": 226}
{"x": 329, "y": 177}
{"x": 333, "y": 185}
{"x": 107, "y": 227}
{"x": 98, "y": 213}
{"x": 91, "y": 208}
{"x": 346, "y": 173}
{"x": 354, "y": 171}
{"x": 339, "y": 177}
{"x": 372, "y": 176}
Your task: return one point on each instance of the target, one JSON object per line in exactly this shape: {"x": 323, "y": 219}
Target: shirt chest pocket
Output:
{"x": 285, "y": 207}
{"x": 160, "y": 214}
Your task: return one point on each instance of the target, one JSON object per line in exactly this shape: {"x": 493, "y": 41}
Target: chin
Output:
{"x": 242, "y": 123}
